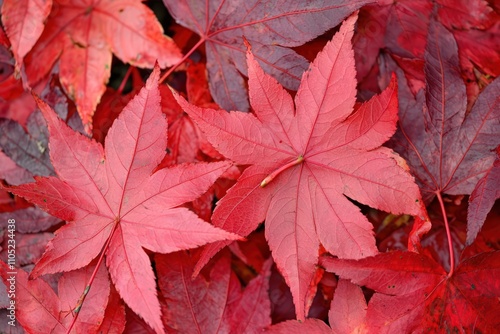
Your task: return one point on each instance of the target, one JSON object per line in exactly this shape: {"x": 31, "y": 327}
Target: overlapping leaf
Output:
{"x": 212, "y": 304}
{"x": 306, "y": 161}
{"x": 414, "y": 294}
{"x": 271, "y": 27}
{"x": 482, "y": 199}
{"x": 83, "y": 34}
{"x": 40, "y": 310}
{"x": 448, "y": 152}
{"x": 111, "y": 193}
{"x": 28, "y": 150}
{"x": 24, "y": 22}
{"x": 13, "y": 173}
{"x": 399, "y": 26}
{"x": 347, "y": 315}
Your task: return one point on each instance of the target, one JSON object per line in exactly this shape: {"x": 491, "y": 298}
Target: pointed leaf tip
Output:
{"x": 154, "y": 77}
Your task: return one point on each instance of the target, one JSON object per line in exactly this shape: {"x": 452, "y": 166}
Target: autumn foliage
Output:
{"x": 249, "y": 166}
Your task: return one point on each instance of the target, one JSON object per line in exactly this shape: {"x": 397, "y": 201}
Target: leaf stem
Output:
{"x": 271, "y": 176}
{"x": 124, "y": 81}
{"x": 448, "y": 234}
{"x": 186, "y": 56}
{"x": 79, "y": 304}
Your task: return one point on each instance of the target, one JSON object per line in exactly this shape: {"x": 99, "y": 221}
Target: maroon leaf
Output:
{"x": 271, "y": 27}
{"x": 482, "y": 199}
{"x": 414, "y": 294}
{"x": 214, "y": 304}
{"x": 448, "y": 152}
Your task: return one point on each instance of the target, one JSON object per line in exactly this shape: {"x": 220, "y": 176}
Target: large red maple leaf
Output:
{"x": 415, "y": 295}
{"x": 447, "y": 150}
{"x": 271, "y": 27}
{"x": 83, "y": 34}
{"x": 306, "y": 163}
{"x": 111, "y": 196}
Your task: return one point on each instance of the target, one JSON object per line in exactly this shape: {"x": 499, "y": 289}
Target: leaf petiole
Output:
{"x": 448, "y": 234}
{"x": 271, "y": 176}
{"x": 186, "y": 56}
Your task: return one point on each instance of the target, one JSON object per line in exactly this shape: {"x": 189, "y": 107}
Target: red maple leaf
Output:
{"x": 305, "y": 162}
{"x": 347, "y": 315}
{"x": 214, "y": 304}
{"x": 414, "y": 294}
{"x": 83, "y": 34}
{"x": 24, "y": 22}
{"x": 114, "y": 202}
{"x": 271, "y": 27}
{"x": 186, "y": 140}
{"x": 448, "y": 152}
{"x": 397, "y": 26}
{"x": 482, "y": 199}
{"x": 475, "y": 25}
{"x": 39, "y": 310}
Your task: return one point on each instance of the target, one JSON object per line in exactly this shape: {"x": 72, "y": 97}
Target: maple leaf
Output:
{"x": 24, "y": 22}
{"x": 480, "y": 49}
{"x": 39, "y": 310}
{"x": 111, "y": 194}
{"x": 271, "y": 27}
{"x": 398, "y": 26}
{"x": 305, "y": 162}
{"x": 414, "y": 294}
{"x": 448, "y": 152}
{"x": 187, "y": 142}
{"x": 482, "y": 198}
{"x": 215, "y": 304}
{"x": 83, "y": 35}
{"x": 29, "y": 247}
{"x": 13, "y": 173}
{"x": 475, "y": 26}
{"x": 114, "y": 316}
{"x": 347, "y": 314}
{"x": 466, "y": 14}
{"x": 112, "y": 103}
{"x": 28, "y": 150}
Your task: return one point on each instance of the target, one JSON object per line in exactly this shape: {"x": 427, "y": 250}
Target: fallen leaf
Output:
{"x": 82, "y": 35}
{"x": 398, "y": 26}
{"x": 29, "y": 247}
{"x": 348, "y": 310}
{"x": 114, "y": 316}
{"x": 39, "y": 310}
{"x": 27, "y": 149}
{"x": 214, "y": 304}
{"x": 12, "y": 173}
{"x": 305, "y": 161}
{"x": 347, "y": 315}
{"x": 482, "y": 198}
{"x": 271, "y": 27}
{"x": 112, "y": 194}
{"x": 448, "y": 152}
{"x": 466, "y": 14}
{"x": 24, "y": 22}
{"x": 414, "y": 294}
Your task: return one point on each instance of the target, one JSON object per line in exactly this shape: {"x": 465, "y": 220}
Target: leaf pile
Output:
{"x": 298, "y": 167}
